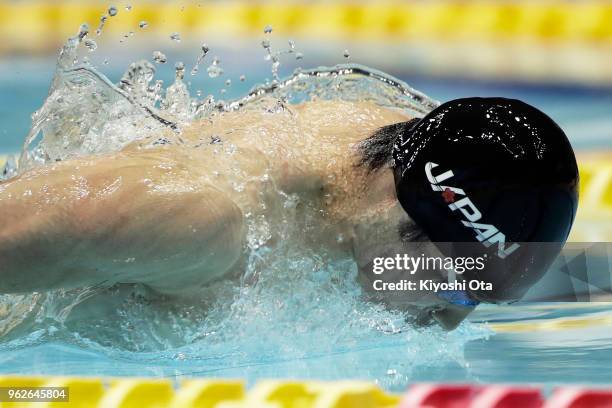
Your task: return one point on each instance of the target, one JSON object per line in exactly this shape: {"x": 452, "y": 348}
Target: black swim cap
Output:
{"x": 496, "y": 174}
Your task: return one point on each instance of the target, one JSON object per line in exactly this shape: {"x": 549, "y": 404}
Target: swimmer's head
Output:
{"x": 490, "y": 176}
{"x": 474, "y": 177}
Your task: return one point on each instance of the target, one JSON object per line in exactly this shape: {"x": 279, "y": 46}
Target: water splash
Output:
{"x": 266, "y": 45}
{"x": 271, "y": 56}
{"x": 347, "y": 82}
{"x": 178, "y": 102}
{"x": 214, "y": 70}
{"x": 86, "y": 114}
{"x": 83, "y": 31}
{"x": 275, "y": 56}
{"x": 159, "y": 57}
{"x": 179, "y": 70}
{"x": 196, "y": 66}
{"x": 90, "y": 44}
{"x": 9, "y": 169}
{"x": 291, "y": 295}
{"x": 101, "y": 25}
{"x": 303, "y": 309}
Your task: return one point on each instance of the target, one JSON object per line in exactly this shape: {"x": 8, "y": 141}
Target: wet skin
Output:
{"x": 174, "y": 216}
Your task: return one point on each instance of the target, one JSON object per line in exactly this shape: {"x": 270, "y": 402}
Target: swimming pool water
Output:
{"x": 546, "y": 343}
{"x": 530, "y": 353}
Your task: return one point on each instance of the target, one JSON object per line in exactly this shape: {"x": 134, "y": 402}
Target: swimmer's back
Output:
{"x": 172, "y": 216}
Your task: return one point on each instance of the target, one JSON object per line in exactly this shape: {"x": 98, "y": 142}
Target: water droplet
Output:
{"x": 196, "y": 67}
{"x": 175, "y": 37}
{"x": 268, "y": 29}
{"x": 83, "y": 30}
{"x": 265, "y": 44}
{"x": 228, "y": 82}
{"x": 275, "y": 66}
{"x": 179, "y": 67}
{"x": 242, "y": 78}
{"x": 101, "y": 25}
{"x": 159, "y": 57}
{"x": 214, "y": 70}
{"x": 90, "y": 44}
{"x": 138, "y": 75}
{"x": 143, "y": 24}
{"x": 347, "y": 54}
{"x": 291, "y": 45}
{"x": 112, "y": 11}
{"x": 105, "y": 62}
{"x": 128, "y": 7}
{"x": 299, "y": 55}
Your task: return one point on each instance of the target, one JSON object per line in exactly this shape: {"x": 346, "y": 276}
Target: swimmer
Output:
{"x": 369, "y": 181}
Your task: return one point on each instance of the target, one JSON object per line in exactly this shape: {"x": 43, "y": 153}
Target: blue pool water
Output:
{"x": 531, "y": 354}
{"x": 306, "y": 337}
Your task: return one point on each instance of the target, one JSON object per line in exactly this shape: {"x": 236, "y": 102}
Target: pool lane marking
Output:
{"x": 599, "y": 185}
{"x": 568, "y": 323}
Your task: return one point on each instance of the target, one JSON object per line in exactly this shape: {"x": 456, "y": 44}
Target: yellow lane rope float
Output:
{"x": 218, "y": 393}
{"x": 42, "y": 25}
{"x": 204, "y": 393}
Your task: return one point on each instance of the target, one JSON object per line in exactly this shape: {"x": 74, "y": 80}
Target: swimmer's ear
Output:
{"x": 376, "y": 152}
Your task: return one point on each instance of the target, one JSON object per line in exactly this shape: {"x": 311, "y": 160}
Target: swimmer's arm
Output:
{"x": 114, "y": 219}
